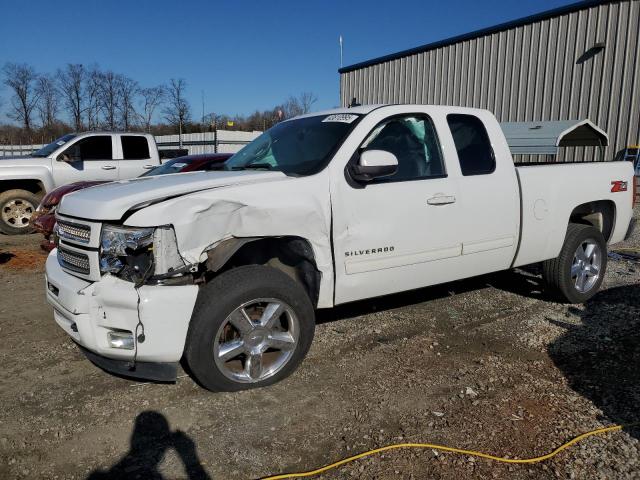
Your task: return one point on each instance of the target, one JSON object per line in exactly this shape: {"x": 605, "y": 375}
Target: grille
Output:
{"x": 74, "y": 231}
{"x": 77, "y": 262}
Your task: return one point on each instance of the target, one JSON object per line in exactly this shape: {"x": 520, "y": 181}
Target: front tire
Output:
{"x": 251, "y": 327}
{"x": 16, "y": 208}
{"x": 577, "y": 273}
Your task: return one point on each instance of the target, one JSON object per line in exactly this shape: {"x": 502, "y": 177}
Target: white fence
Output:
{"x": 16, "y": 150}
{"x": 222, "y": 141}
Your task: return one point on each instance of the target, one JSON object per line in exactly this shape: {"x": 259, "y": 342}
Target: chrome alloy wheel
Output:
{"x": 17, "y": 213}
{"x": 256, "y": 340}
{"x": 586, "y": 265}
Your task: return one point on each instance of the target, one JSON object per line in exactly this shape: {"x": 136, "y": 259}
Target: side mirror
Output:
{"x": 374, "y": 164}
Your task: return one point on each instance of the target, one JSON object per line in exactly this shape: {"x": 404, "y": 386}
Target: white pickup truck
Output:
{"x": 71, "y": 158}
{"x": 227, "y": 268}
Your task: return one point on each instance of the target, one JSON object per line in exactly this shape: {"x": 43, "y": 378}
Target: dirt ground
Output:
{"x": 484, "y": 364}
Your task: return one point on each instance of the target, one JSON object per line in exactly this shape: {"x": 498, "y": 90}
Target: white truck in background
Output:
{"x": 74, "y": 157}
{"x": 227, "y": 268}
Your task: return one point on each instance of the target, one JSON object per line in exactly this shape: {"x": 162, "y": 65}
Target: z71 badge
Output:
{"x": 618, "y": 186}
{"x": 370, "y": 251}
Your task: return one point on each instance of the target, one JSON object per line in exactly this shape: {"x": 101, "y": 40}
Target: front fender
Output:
{"x": 40, "y": 174}
{"x": 294, "y": 207}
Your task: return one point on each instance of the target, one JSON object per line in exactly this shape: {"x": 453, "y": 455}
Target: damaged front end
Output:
{"x": 141, "y": 255}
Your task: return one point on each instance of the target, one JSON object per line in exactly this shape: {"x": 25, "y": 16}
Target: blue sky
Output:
{"x": 244, "y": 55}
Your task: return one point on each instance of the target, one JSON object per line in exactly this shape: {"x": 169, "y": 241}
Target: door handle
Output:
{"x": 108, "y": 167}
{"x": 147, "y": 167}
{"x": 441, "y": 200}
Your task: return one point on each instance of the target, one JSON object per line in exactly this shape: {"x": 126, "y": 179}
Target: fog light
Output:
{"x": 122, "y": 340}
{"x": 53, "y": 289}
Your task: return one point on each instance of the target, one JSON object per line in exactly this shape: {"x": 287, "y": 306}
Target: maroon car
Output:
{"x": 44, "y": 218}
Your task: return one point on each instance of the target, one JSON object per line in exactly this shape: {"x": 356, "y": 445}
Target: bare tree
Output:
{"x": 151, "y": 98}
{"x": 92, "y": 86}
{"x": 177, "y": 111}
{"x": 307, "y": 99}
{"x": 48, "y": 100}
{"x": 129, "y": 89}
{"x": 299, "y": 105}
{"x": 109, "y": 98}
{"x": 21, "y": 78}
{"x": 70, "y": 82}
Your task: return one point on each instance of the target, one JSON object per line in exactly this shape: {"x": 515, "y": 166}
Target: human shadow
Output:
{"x": 150, "y": 439}
{"x": 601, "y": 357}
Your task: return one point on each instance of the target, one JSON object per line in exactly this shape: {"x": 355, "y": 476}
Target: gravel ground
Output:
{"x": 483, "y": 364}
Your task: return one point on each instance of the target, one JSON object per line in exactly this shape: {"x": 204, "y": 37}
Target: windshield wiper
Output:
{"x": 257, "y": 166}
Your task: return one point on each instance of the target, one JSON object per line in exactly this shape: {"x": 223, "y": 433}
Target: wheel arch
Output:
{"x": 600, "y": 214}
{"x": 292, "y": 255}
{"x": 33, "y": 185}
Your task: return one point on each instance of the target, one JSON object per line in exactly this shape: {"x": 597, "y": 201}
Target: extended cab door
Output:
{"x": 136, "y": 155}
{"x": 89, "y": 158}
{"x": 489, "y": 195}
{"x": 418, "y": 226}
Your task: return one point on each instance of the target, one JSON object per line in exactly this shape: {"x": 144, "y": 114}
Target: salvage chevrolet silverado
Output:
{"x": 225, "y": 269}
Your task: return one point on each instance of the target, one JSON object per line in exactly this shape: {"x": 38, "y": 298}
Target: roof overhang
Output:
{"x": 556, "y": 12}
{"x": 545, "y": 138}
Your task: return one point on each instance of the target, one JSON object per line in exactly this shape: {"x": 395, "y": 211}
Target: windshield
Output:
{"x": 171, "y": 166}
{"x": 295, "y": 147}
{"x": 49, "y": 149}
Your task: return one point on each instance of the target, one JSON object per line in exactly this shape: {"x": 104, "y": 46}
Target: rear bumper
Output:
{"x": 90, "y": 311}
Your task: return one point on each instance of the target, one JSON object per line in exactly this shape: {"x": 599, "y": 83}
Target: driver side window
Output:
{"x": 91, "y": 148}
{"x": 413, "y": 140}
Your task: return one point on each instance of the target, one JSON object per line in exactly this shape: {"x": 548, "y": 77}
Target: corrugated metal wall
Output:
{"x": 544, "y": 70}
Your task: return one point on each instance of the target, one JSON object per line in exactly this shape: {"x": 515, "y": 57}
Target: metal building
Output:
{"x": 575, "y": 62}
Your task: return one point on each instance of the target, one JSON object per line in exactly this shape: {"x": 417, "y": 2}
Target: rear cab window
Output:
{"x": 475, "y": 153}
{"x": 134, "y": 147}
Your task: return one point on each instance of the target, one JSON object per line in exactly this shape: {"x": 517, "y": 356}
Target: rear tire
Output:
{"x": 16, "y": 208}
{"x": 235, "y": 342}
{"x": 577, "y": 273}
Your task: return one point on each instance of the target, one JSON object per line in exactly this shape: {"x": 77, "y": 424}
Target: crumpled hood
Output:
{"x": 112, "y": 200}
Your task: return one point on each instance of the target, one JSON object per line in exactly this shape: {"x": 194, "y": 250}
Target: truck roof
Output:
{"x": 110, "y": 132}
{"x": 365, "y": 109}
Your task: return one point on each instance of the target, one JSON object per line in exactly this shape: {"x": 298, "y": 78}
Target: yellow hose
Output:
{"x": 443, "y": 448}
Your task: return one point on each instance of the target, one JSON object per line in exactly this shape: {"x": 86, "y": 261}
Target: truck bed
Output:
{"x": 551, "y": 192}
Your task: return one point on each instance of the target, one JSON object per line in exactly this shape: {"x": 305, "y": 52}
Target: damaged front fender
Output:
{"x": 293, "y": 206}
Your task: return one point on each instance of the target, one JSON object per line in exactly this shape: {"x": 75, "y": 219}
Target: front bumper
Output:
{"x": 158, "y": 371}
{"x": 89, "y": 311}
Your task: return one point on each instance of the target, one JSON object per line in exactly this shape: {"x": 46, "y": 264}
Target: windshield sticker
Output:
{"x": 60, "y": 142}
{"x": 178, "y": 165}
{"x": 341, "y": 117}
